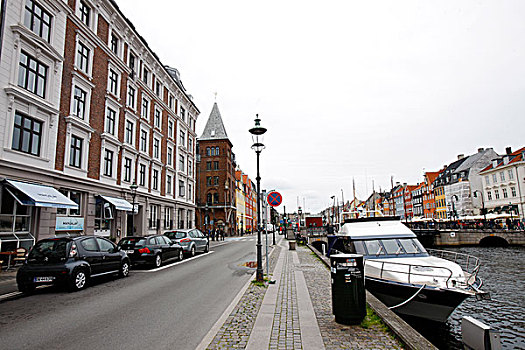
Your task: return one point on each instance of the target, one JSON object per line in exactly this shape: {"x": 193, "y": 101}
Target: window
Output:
{"x": 502, "y": 176}
{"x": 209, "y": 199}
{"x": 170, "y": 128}
{"x": 157, "y": 88}
{"x": 494, "y": 178}
{"x": 110, "y": 121}
{"x": 156, "y": 144}
{"x": 496, "y": 193}
{"x": 215, "y": 198}
{"x": 168, "y": 184}
{"x": 487, "y": 180}
{"x": 145, "y": 108}
{"x": 79, "y": 102}
{"x": 131, "y": 64}
{"x": 37, "y": 19}
{"x": 131, "y": 97}
{"x": 143, "y": 140}
{"x": 513, "y": 191}
{"x": 27, "y": 134}
{"x": 153, "y": 216}
{"x": 142, "y": 175}
{"x": 113, "y": 82}
{"x": 75, "y": 197}
{"x": 511, "y": 175}
{"x": 181, "y": 162}
{"x": 181, "y": 189}
{"x": 215, "y": 165}
{"x": 167, "y": 218}
{"x": 170, "y": 102}
{"x": 208, "y": 180}
{"x": 85, "y": 12}
{"x": 208, "y": 153}
{"x": 190, "y": 144}
{"x": 145, "y": 76}
{"x": 182, "y": 138}
{"x": 89, "y": 244}
{"x": 182, "y": 113}
{"x": 108, "y": 163}
{"x": 129, "y": 132}
{"x": 169, "y": 157}
{"x": 114, "y": 44}
{"x": 155, "y": 177}
{"x": 216, "y": 151}
{"x": 189, "y": 192}
{"x": 32, "y": 75}
{"x": 157, "y": 118}
{"x": 505, "y": 194}
{"x": 127, "y": 169}
{"x": 83, "y": 58}
{"x": 105, "y": 246}
{"x": 190, "y": 168}
{"x": 208, "y": 165}
{"x": 75, "y": 152}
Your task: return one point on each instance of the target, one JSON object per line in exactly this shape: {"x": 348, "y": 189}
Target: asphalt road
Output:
{"x": 172, "y": 308}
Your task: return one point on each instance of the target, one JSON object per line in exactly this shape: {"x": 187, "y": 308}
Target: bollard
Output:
{"x": 292, "y": 245}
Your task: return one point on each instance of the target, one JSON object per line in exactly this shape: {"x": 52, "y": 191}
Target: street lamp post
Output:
{"x": 257, "y": 135}
{"x": 133, "y": 187}
{"x": 482, "y": 206}
{"x": 333, "y": 210}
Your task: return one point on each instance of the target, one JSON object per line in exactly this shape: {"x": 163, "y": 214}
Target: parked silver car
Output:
{"x": 191, "y": 240}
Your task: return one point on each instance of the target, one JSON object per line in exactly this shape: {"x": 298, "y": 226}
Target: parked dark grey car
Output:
{"x": 71, "y": 261}
{"x": 191, "y": 240}
{"x": 151, "y": 250}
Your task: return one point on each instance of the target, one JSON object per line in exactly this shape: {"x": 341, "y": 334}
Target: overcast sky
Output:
{"x": 347, "y": 89}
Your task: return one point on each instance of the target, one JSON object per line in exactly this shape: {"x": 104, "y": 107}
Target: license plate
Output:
{"x": 129, "y": 251}
{"x": 44, "y": 279}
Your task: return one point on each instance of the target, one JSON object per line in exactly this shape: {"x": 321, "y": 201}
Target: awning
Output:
{"x": 40, "y": 196}
{"x": 119, "y": 203}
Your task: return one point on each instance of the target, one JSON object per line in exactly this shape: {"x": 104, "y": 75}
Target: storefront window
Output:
{"x": 15, "y": 223}
{"x": 101, "y": 222}
{"x": 75, "y": 196}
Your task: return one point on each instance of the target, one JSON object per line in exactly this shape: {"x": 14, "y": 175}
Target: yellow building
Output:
{"x": 441, "y": 204}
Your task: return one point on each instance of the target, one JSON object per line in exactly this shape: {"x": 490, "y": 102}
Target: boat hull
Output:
{"x": 433, "y": 304}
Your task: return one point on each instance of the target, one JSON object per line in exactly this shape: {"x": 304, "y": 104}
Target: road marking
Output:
{"x": 17, "y": 294}
{"x": 173, "y": 264}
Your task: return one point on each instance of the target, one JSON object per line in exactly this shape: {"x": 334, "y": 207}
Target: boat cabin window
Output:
{"x": 392, "y": 246}
{"x": 374, "y": 248}
{"x": 412, "y": 246}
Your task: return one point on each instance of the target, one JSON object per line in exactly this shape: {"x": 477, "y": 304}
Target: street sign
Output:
{"x": 274, "y": 199}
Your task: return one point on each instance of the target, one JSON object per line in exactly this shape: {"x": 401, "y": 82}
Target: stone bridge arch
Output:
{"x": 493, "y": 241}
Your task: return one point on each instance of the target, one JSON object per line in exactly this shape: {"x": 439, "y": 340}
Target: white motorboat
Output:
{"x": 406, "y": 277}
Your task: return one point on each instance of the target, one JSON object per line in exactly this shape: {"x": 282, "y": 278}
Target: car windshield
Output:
{"x": 176, "y": 235}
{"x": 53, "y": 250}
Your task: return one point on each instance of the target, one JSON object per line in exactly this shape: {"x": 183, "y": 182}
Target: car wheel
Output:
{"x": 192, "y": 252}
{"x": 207, "y": 249}
{"x": 158, "y": 260}
{"x": 181, "y": 255}
{"x": 26, "y": 288}
{"x": 78, "y": 280}
{"x": 124, "y": 269}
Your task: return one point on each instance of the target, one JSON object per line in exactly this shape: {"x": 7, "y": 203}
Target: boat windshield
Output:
{"x": 389, "y": 247}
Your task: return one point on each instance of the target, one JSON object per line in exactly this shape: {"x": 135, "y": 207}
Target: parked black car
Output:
{"x": 191, "y": 240}
{"x": 70, "y": 261}
{"x": 153, "y": 250}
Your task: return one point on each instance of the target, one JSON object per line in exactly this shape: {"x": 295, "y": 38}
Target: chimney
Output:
{"x": 445, "y": 166}
{"x": 481, "y": 149}
{"x": 461, "y": 156}
{"x": 508, "y": 150}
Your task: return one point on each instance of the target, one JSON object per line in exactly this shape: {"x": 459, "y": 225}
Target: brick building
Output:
{"x": 104, "y": 114}
{"x": 216, "y": 184}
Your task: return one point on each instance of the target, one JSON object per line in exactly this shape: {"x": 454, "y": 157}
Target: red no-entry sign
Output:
{"x": 274, "y": 199}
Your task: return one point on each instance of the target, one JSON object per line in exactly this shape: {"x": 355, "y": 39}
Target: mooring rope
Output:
{"x": 409, "y": 299}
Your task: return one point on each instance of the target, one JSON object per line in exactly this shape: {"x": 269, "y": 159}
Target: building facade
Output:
{"x": 216, "y": 195}
{"x": 93, "y": 113}
{"x": 504, "y": 184}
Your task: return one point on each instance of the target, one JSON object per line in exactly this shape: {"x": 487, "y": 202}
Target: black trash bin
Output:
{"x": 348, "y": 288}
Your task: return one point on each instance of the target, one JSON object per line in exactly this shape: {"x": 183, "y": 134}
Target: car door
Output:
{"x": 163, "y": 247}
{"x": 91, "y": 254}
{"x": 110, "y": 255}
{"x": 203, "y": 239}
{"x": 170, "y": 247}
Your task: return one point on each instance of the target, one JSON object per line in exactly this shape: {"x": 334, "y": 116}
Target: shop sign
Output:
{"x": 69, "y": 224}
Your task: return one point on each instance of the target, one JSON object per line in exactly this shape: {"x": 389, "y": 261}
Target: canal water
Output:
{"x": 503, "y": 274}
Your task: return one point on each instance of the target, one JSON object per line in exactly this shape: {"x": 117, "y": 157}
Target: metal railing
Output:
{"x": 411, "y": 272}
{"x": 468, "y": 263}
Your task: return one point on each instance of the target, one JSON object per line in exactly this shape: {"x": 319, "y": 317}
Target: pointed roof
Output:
{"x": 214, "y": 129}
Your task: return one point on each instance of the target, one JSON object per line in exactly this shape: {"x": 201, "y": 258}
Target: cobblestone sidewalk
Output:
{"x": 336, "y": 336}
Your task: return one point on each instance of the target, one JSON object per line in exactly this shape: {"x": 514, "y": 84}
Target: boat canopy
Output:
{"x": 375, "y": 230}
